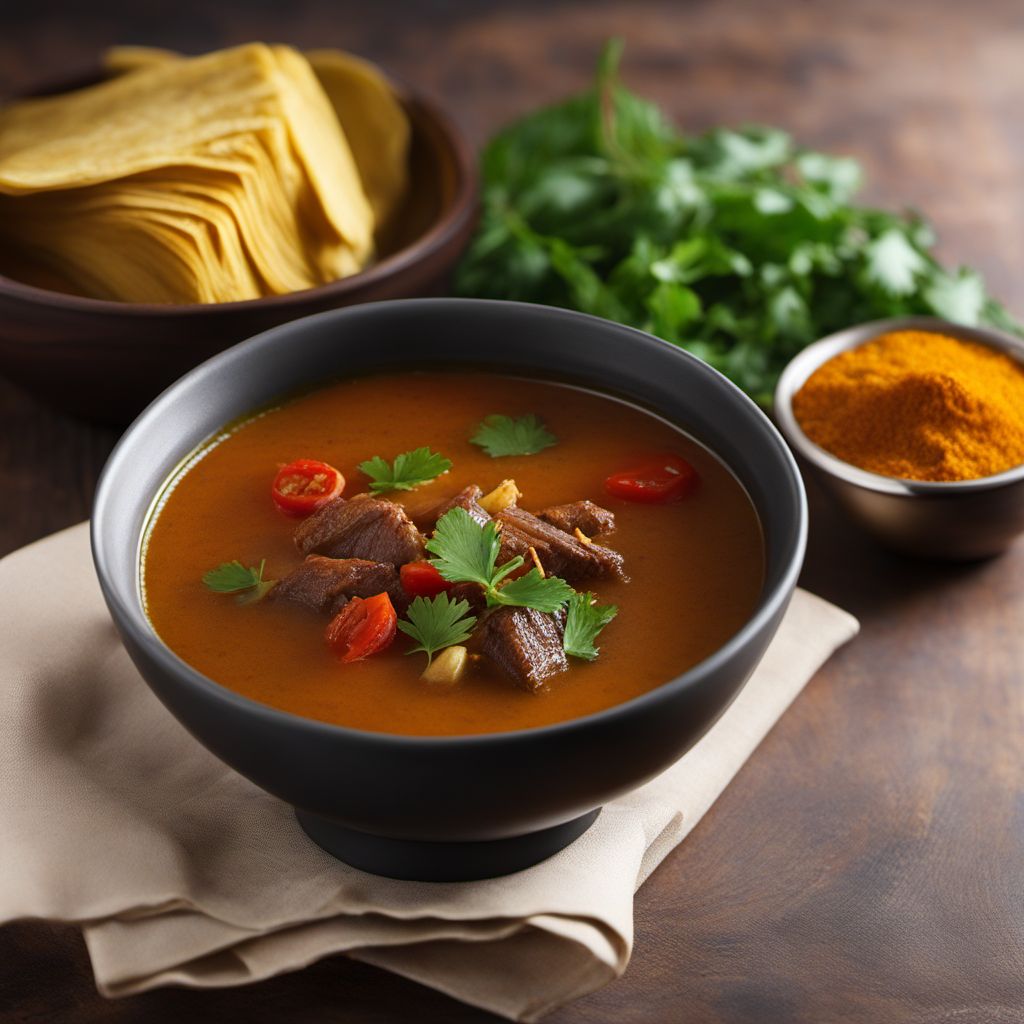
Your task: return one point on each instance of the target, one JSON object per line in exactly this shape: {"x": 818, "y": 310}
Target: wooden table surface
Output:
{"x": 868, "y": 863}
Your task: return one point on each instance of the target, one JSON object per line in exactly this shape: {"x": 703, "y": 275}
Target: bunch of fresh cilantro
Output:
{"x": 736, "y": 245}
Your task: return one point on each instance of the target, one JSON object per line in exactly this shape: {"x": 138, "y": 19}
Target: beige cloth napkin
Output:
{"x": 182, "y": 872}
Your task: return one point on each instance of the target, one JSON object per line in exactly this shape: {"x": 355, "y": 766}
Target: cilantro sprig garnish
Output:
{"x": 545, "y": 593}
{"x": 466, "y": 552}
{"x": 500, "y": 435}
{"x": 585, "y": 619}
{"x": 235, "y": 578}
{"x": 409, "y": 470}
{"x": 738, "y": 245}
{"x": 437, "y": 623}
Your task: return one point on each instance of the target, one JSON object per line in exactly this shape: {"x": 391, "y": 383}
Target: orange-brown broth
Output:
{"x": 696, "y": 568}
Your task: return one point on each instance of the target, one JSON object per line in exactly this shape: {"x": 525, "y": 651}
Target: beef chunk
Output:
{"x": 325, "y": 584}
{"x": 470, "y": 592}
{"x": 468, "y": 498}
{"x": 369, "y": 528}
{"x": 560, "y": 553}
{"x": 580, "y": 515}
{"x": 524, "y": 643}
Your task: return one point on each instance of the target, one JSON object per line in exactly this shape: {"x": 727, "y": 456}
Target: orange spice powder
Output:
{"x": 917, "y": 405}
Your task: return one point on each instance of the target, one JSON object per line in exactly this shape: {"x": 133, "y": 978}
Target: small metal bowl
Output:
{"x": 962, "y": 520}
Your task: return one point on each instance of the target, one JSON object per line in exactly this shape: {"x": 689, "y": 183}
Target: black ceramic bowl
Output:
{"x": 474, "y": 806}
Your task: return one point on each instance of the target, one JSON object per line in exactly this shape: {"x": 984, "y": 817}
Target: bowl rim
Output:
{"x": 132, "y": 617}
{"x": 450, "y": 220}
{"x": 819, "y": 352}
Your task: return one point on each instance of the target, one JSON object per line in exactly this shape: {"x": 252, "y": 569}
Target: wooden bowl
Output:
{"x": 106, "y": 360}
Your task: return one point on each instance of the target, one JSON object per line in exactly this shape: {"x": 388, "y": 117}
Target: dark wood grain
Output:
{"x": 868, "y": 863}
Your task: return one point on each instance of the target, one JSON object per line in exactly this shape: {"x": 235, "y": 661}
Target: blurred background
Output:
{"x": 925, "y": 93}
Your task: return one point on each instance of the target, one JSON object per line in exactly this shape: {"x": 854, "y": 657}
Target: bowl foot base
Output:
{"x": 419, "y": 861}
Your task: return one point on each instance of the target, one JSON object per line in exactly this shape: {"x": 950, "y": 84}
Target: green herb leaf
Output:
{"x": 409, "y": 470}
{"x": 501, "y": 435}
{"x": 466, "y": 552}
{"x": 584, "y": 621}
{"x": 893, "y": 263}
{"x": 959, "y": 297}
{"x": 735, "y": 244}
{"x": 545, "y": 593}
{"x": 235, "y": 578}
{"x": 437, "y": 623}
{"x": 838, "y": 176}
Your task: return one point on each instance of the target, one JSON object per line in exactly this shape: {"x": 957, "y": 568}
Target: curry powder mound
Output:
{"x": 918, "y": 406}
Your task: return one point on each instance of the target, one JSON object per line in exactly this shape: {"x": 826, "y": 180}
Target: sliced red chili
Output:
{"x": 363, "y": 627}
{"x": 302, "y": 486}
{"x": 421, "y": 579}
{"x": 664, "y": 479}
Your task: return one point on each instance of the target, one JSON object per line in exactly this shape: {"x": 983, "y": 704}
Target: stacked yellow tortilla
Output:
{"x": 235, "y": 175}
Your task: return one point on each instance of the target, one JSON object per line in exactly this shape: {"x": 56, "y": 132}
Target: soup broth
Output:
{"x": 694, "y": 567}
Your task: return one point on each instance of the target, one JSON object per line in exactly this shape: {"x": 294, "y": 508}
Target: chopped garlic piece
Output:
{"x": 581, "y": 536}
{"x": 501, "y": 498}
{"x": 447, "y": 668}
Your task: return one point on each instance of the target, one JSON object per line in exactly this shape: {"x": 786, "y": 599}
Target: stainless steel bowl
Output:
{"x": 962, "y": 520}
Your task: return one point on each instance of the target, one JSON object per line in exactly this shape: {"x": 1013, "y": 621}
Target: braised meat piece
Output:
{"x": 468, "y": 498}
{"x": 559, "y": 552}
{"x": 585, "y": 516}
{"x": 369, "y": 528}
{"x": 471, "y": 592}
{"x": 326, "y": 584}
{"x": 524, "y": 643}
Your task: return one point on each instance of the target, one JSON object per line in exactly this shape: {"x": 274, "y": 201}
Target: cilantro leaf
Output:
{"x": 466, "y": 552}
{"x": 545, "y": 593}
{"x": 436, "y": 623}
{"x": 838, "y": 176}
{"x": 409, "y": 470}
{"x": 235, "y": 578}
{"x": 501, "y": 435}
{"x": 959, "y": 297}
{"x": 893, "y": 263}
{"x": 736, "y": 244}
{"x": 584, "y": 621}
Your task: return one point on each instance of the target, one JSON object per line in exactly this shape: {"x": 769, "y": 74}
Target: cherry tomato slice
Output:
{"x": 421, "y": 579}
{"x": 302, "y": 486}
{"x": 363, "y": 627}
{"x": 666, "y": 478}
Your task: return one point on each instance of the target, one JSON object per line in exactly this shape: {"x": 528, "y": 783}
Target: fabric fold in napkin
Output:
{"x": 182, "y": 872}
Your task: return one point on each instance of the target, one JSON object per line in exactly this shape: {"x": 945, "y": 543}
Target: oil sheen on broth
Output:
{"x": 695, "y": 567}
